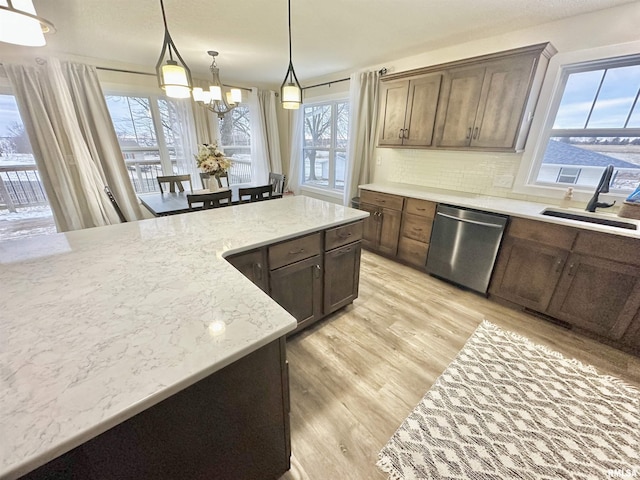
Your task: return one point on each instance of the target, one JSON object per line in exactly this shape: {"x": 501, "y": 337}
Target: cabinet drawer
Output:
{"x": 393, "y": 202}
{"x": 412, "y": 251}
{"x": 294, "y": 250}
{"x": 424, "y": 208}
{"x": 542, "y": 232}
{"x": 606, "y": 245}
{"x": 416, "y": 227}
{"x": 336, "y": 237}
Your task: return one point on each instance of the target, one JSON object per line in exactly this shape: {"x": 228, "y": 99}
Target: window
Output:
{"x": 324, "y": 152}
{"x": 597, "y": 123}
{"x": 24, "y": 207}
{"x": 151, "y": 133}
{"x": 235, "y": 141}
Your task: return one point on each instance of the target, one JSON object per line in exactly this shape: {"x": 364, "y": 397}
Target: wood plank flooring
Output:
{"x": 356, "y": 375}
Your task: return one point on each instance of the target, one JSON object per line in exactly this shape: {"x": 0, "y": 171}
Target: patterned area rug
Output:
{"x": 508, "y": 409}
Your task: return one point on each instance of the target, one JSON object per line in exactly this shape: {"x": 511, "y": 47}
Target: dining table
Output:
{"x": 173, "y": 203}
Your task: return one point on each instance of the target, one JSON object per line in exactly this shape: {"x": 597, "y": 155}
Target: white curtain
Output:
{"x": 74, "y": 143}
{"x": 205, "y": 124}
{"x": 186, "y": 139}
{"x": 265, "y": 141}
{"x": 294, "y": 176}
{"x": 363, "y": 117}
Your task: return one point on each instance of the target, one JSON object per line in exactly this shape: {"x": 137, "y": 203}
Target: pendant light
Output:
{"x": 290, "y": 90}
{"x": 173, "y": 77}
{"x": 20, "y": 25}
{"x": 213, "y": 98}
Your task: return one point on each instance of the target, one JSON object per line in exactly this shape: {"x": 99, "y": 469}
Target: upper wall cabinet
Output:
{"x": 409, "y": 111}
{"x": 484, "y": 103}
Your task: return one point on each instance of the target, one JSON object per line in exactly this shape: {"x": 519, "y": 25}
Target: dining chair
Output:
{"x": 174, "y": 181}
{"x": 277, "y": 180}
{"x": 121, "y": 216}
{"x": 255, "y": 194}
{"x": 210, "y": 200}
{"x": 222, "y": 179}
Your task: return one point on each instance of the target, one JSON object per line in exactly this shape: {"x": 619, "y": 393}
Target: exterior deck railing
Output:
{"x": 21, "y": 185}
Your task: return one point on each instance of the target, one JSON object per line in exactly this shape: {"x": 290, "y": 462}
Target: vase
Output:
{"x": 213, "y": 184}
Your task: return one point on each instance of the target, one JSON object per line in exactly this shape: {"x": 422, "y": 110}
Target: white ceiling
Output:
{"x": 329, "y": 36}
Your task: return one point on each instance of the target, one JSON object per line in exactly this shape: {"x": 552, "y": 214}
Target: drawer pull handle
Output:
{"x": 469, "y": 134}
{"x": 295, "y": 252}
{"x": 344, "y": 235}
{"x": 420, "y": 209}
{"x": 558, "y": 265}
{"x": 317, "y": 271}
{"x": 476, "y": 133}
{"x": 257, "y": 270}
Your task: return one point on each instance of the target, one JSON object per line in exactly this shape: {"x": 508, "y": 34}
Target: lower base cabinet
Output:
{"x": 233, "y": 424}
{"x": 310, "y": 276}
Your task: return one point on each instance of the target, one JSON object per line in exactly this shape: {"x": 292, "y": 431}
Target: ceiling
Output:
{"x": 329, "y": 36}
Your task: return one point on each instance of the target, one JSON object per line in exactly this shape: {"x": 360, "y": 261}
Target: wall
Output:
{"x": 477, "y": 172}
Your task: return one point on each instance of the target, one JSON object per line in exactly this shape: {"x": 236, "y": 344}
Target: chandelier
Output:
{"x": 20, "y": 25}
{"x": 173, "y": 77}
{"x": 213, "y": 98}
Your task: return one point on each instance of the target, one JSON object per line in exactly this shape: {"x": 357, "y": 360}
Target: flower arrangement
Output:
{"x": 210, "y": 159}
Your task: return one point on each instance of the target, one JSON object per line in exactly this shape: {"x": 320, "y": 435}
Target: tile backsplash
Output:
{"x": 483, "y": 173}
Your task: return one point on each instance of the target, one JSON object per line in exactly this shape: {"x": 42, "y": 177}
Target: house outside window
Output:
{"x": 596, "y": 123}
{"x": 151, "y": 133}
{"x": 325, "y": 138}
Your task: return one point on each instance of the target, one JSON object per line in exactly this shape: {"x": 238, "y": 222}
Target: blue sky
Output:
{"x": 615, "y": 99}
{"x": 8, "y": 113}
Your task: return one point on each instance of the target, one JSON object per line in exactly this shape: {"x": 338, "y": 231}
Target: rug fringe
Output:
{"x": 387, "y": 467}
{"x": 553, "y": 353}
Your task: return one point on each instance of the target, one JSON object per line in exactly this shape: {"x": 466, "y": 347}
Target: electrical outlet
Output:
{"x": 503, "y": 181}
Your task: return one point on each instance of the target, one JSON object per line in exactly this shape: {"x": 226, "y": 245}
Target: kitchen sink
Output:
{"x": 581, "y": 217}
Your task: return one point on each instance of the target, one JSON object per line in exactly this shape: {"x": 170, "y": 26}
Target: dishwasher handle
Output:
{"x": 465, "y": 220}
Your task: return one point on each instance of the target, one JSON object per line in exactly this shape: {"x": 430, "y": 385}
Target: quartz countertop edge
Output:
{"x": 102, "y": 323}
{"x": 502, "y": 205}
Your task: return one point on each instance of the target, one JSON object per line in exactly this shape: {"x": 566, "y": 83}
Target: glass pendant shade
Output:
{"x": 20, "y": 25}
{"x": 291, "y": 96}
{"x": 198, "y": 94}
{"x": 216, "y": 92}
{"x": 236, "y": 95}
{"x": 174, "y": 81}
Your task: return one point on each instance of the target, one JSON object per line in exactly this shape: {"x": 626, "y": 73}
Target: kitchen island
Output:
{"x": 102, "y": 326}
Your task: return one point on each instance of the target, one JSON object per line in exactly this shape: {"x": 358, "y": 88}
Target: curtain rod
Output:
{"x": 153, "y": 75}
{"x": 382, "y": 71}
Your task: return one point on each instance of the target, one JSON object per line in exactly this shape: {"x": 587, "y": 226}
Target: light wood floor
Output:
{"x": 355, "y": 376}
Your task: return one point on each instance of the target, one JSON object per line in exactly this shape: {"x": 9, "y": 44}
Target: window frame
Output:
{"x": 332, "y": 100}
{"x": 548, "y": 104}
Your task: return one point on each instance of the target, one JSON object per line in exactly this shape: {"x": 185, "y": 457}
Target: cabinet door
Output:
{"x": 502, "y": 101}
{"x": 463, "y": 89}
{"x": 394, "y": 106}
{"x": 527, "y": 272}
{"x": 599, "y": 295}
{"x": 370, "y": 232}
{"x": 298, "y": 289}
{"x": 253, "y": 266}
{"x": 422, "y": 105}
{"x": 341, "y": 276}
{"x": 389, "y": 231}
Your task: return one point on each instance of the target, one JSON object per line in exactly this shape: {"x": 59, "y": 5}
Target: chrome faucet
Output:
{"x": 603, "y": 187}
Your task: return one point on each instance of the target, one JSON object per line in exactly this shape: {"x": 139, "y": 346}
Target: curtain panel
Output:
{"x": 74, "y": 143}
{"x": 364, "y": 93}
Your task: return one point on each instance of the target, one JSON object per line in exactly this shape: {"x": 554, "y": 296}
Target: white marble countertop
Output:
{"x": 505, "y": 206}
{"x": 100, "y": 324}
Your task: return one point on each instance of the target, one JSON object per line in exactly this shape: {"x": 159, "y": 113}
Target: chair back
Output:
{"x": 210, "y": 200}
{"x": 121, "y": 216}
{"x": 175, "y": 182}
{"x": 222, "y": 179}
{"x": 255, "y": 194}
{"x": 278, "y": 181}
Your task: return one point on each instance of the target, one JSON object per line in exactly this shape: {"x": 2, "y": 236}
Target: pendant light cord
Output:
{"x": 289, "y": 8}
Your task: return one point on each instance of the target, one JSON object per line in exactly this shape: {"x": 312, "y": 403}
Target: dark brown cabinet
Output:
{"x": 309, "y": 276}
{"x": 409, "y": 110}
{"x": 415, "y": 233}
{"x": 252, "y": 265}
{"x": 382, "y": 227}
{"x": 590, "y": 280}
{"x": 483, "y": 103}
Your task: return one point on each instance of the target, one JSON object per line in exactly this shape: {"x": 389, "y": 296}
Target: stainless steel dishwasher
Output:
{"x": 464, "y": 245}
